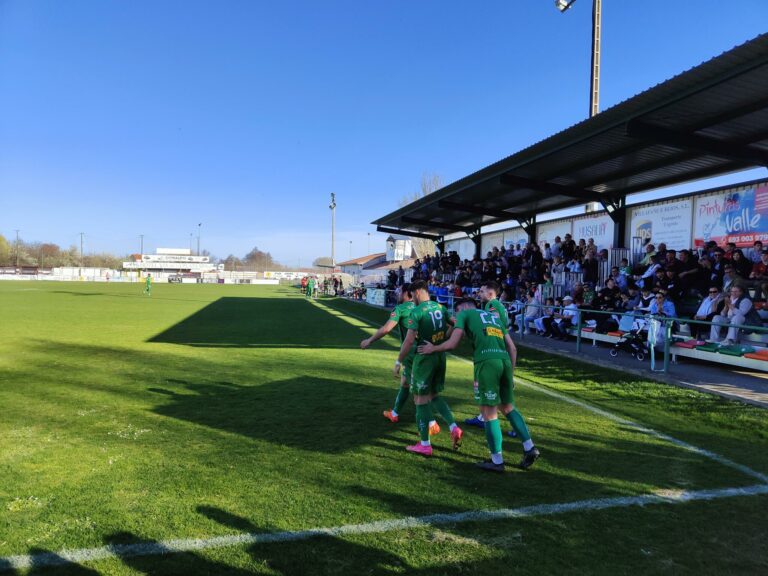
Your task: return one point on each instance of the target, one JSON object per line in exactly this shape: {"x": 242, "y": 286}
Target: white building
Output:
{"x": 173, "y": 260}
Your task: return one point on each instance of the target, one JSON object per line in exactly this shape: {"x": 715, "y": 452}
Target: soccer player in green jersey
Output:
{"x": 310, "y": 287}
{"x": 148, "y": 285}
{"x": 428, "y": 322}
{"x": 489, "y": 298}
{"x": 494, "y": 358}
{"x": 399, "y": 318}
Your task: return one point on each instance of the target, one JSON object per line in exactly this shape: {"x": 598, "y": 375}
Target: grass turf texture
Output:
{"x": 210, "y": 410}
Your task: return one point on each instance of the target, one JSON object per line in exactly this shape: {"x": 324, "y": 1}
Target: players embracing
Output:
{"x": 494, "y": 359}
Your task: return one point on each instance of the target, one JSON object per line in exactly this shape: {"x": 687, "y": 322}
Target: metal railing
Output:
{"x": 664, "y": 328}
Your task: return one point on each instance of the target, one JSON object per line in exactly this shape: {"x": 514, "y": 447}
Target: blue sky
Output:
{"x": 120, "y": 118}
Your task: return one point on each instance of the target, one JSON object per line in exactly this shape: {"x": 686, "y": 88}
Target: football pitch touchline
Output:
{"x": 166, "y": 547}
{"x": 610, "y": 416}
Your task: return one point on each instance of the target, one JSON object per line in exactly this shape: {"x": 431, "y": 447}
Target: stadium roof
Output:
{"x": 708, "y": 121}
{"x": 362, "y": 260}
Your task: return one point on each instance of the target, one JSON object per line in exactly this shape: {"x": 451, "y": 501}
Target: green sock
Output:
{"x": 423, "y": 418}
{"x": 493, "y": 435}
{"x": 518, "y": 424}
{"x": 444, "y": 410}
{"x": 402, "y": 396}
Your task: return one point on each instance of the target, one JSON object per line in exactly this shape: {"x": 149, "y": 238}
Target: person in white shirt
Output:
{"x": 569, "y": 317}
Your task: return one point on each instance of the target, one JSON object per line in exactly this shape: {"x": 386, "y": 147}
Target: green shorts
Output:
{"x": 407, "y": 368}
{"x": 428, "y": 374}
{"x": 493, "y": 382}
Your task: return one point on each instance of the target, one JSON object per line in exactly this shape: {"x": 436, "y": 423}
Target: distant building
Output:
{"x": 398, "y": 248}
{"x": 174, "y": 260}
{"x": 356, "y": 266}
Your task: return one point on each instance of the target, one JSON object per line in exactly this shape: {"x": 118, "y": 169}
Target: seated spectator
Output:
{"x": 710, "y": 307}
{"x": 737, "y": 311}
{"x": 625, "y": 268}
{"x": 756, "y": 252}
{"x": 647, "y": 277}
{"x": 758, "y": 277}
{"x": 732, "y": 279}
{"x": 574, "y": 266}
{"x": 633, "y": 298}
{"x": 564, "y": 320}
{"x": 662, "y": 306}
{"x": 619, "y": 279}
{"x": 741, "y": 264}
{"x": 526, "y": 317}
{"x": 646, "y": 298}
{"x": 546, "y": 313}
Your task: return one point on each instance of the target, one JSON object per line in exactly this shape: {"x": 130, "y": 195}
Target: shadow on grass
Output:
{"x": 265, "y": 323}
{"x": 284, "y": 412}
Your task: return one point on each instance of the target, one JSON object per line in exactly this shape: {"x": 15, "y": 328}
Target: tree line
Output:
{"x": 50, "y": 255}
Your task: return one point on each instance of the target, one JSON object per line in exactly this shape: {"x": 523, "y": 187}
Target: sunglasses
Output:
{"x": 713, "y": 292}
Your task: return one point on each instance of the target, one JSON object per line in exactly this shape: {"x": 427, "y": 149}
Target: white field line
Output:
{"x": 195, "y": 544}
{"x": 619, "y": 419}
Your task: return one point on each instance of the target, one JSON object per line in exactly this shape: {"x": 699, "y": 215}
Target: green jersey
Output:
{"x": 400, "y": 314}
{"x": 486, "y": 333}
{"x": 430, "y": 321}
{"x": 497, "y": 309}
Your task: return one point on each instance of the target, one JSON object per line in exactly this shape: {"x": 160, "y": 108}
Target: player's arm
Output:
{"x": 380, "y": 333}
{"x": 511, "y": 348}
{"x": 449, "y": 344}
{"x": 410, "y": 337}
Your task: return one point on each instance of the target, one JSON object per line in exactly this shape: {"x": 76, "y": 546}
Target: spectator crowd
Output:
{"x": 712, "y": 283}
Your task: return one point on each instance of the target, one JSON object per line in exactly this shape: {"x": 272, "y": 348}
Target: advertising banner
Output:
{"x": 489, "y": 241}
{"x": 739, "y": 216}
{"x": 514, "y": 237}
{"x": 376, "y": 296}
{"x": 598, "y": 227}
{"x": 669, "y": 223}
{"x": 546, "y": 233}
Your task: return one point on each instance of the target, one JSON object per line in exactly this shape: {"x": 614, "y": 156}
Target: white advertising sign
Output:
{"x": 376, "y": 296}
{"x": 669, "y": 223}
{"x": 515, "y": 236}
{"x": 599, "y": 228}
{"x": 464, "y": 247}
{"x": 546, "y": 233}
{"x": 489, "y": 241}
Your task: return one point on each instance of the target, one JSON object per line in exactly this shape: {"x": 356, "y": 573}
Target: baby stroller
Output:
{"x": 631, "y": 342}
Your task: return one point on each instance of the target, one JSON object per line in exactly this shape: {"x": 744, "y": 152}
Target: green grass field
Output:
{"x": 210, "y": 410}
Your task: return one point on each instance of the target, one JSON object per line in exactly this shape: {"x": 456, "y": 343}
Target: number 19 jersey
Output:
{"x": 430, "y": 321}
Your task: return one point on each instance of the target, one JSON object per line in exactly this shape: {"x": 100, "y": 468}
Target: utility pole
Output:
{"x": 333, "y": 229}
{"x": 350, "y": 249}
{"x": 141, "y": 251}
{"x": 190, "y": 242}
{"x": 369, "y": 243}
{"x": 81, "y": 250}
{"x": 17, "y": 248}
{"x": 198, "y": 238}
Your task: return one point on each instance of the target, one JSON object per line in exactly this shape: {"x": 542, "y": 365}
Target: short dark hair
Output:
{"x": 406, "y": 288}
{"x": 419, "y": 285}
{"x": 466, "y": 302}
{"x": 492, "y": 285}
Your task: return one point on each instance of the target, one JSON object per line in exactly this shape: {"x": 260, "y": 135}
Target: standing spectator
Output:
{"x": 589, "y": 268}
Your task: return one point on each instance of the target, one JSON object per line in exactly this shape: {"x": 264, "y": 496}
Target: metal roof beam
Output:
{"x": 479, "y": 210}
{"x": 687, "y": 141}
{"x": 387, "y": 230}
{"x": 438, "y": 225}
{"x": 549, "y": 187}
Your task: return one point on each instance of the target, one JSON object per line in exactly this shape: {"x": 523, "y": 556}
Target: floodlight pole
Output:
{"x": 141, "y": 236}
{"x": 597, "y": 27}
{"x": 198, "y": 237}
{"x": 594, "y": 83}
{"x": 332, "y": 206}
{"x": 81, "y": 251}
{"x": 17, "y": 248}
